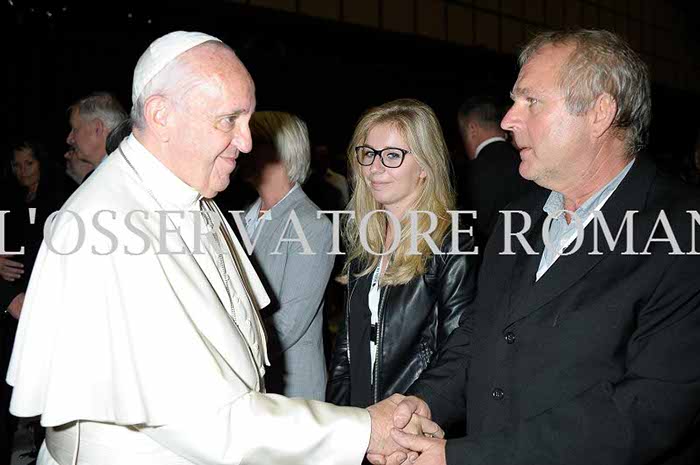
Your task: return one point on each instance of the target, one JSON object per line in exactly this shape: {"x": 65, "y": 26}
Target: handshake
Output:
{"x": 402, "y": 430}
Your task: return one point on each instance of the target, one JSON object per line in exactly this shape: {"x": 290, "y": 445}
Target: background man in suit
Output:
{"x": 577, "y": 352}
{"x": 92, "y": 118}
{"x": 492, "y": 180}
{"x": 295, "y": 280}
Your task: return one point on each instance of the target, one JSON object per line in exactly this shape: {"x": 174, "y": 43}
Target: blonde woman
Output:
{"x": 400, "y": 305}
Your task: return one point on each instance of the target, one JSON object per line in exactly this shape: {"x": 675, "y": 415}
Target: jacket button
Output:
{"x": 509, "y": 337}
{"x": 498, "y": 393}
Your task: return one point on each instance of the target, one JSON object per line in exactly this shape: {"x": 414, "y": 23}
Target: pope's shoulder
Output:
{"x": 113, "y": 186}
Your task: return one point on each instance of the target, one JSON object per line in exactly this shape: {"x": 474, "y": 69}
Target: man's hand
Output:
{"x": 10, "y": 269}
{"x": 408, "y": 413}
{"x": 15, "y": 308}
{"x": 431, "y": 450}
{"x": 405, "y": 411}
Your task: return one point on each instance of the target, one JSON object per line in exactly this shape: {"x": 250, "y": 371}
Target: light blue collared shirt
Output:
{"x": 561, "y": 233}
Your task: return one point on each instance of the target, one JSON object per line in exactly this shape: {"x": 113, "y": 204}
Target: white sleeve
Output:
{"x": 264, "y": 429}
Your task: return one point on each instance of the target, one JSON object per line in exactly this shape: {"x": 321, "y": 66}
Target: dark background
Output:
{"x": 325, "y": 71}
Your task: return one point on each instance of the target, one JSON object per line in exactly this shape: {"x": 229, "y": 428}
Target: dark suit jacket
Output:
{"x": 492, "y": 182}
{"x": 596, "y": 363}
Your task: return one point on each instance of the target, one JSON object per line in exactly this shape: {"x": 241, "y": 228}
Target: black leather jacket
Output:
{"x": 414, "y": 321}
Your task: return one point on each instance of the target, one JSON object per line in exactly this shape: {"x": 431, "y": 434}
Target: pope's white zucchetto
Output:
{"x": 161, "y": 52}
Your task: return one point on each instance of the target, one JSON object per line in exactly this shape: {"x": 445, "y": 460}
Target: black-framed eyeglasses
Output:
{"x": 391, "y": 157}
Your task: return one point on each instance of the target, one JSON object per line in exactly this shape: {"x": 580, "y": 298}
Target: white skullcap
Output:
{"x": 161, "y": 52}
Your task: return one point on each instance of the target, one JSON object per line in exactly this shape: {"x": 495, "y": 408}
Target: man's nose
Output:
{"x": 510, "y": 119}
{"x": 69, "y": 139}
{"x": 243, "y": 140}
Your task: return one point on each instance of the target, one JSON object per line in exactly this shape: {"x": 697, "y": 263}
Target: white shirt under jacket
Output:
{"x": 149, "y": 345}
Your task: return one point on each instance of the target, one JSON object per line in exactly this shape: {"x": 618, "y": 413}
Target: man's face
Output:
{"x": 554, "y": 145}
{"x": 75, "y": 167}
{"x": 210, "y": 126}
{"x": 86, "y": 139}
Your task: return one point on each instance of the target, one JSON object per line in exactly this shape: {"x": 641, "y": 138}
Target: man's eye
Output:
{"x": 531, "y": 101}
{"x": 227, "y": 123}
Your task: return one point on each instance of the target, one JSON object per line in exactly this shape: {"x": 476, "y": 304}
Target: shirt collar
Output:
{"x": 481, "y": 146}
{"x": 167, "y": 188}
{"x": 555, "y": 201}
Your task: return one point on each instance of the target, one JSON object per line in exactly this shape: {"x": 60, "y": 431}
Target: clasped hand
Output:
{"x": 401, "y": 429}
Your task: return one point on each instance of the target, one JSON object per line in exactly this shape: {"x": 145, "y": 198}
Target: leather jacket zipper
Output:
{"x": 380, "y": 333}
{"x": 351, "y": 289}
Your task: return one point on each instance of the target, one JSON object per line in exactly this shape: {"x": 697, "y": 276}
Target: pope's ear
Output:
{"x": 157, "y": 111}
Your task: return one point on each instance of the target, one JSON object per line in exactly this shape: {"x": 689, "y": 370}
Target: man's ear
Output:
{"x": 473, "y": 128}
{"x": 158, "y": 112}
{"x": 603, "y": 114}
{"x": 100, "y": 128}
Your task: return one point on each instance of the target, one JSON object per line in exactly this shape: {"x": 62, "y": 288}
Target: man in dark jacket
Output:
{"x": 583, "y": 343}
{"x": 491, "y": 180}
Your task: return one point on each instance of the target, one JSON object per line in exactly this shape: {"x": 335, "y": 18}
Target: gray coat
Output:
{"x": 296, "y": 284}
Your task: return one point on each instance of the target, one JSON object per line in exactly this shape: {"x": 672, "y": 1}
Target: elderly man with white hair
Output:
{"x": 92, "y": 119}
{"x": 140, "y": 341}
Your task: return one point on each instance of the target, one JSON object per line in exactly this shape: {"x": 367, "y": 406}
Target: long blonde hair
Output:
{"x": 421, "y": 130}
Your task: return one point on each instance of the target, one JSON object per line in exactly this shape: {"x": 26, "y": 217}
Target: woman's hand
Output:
{"x": 10, "y": 270}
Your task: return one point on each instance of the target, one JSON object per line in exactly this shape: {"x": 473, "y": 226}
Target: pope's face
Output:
{"x": 211, "y": 124}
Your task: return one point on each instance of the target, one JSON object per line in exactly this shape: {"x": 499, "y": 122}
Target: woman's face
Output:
{"x": 396, "y": 189}
{"x": 25, "y": 167}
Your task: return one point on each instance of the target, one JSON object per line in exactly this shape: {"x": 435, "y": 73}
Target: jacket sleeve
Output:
{"x": 442, "y": 384}
{"x": 634, "y": 420}
{"x": 338, "y": 390}
{"x": 456, "y": 285}
{"x": 303, "y": 288}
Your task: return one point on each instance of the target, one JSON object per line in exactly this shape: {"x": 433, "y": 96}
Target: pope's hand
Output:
{"x": 410, "y": 414}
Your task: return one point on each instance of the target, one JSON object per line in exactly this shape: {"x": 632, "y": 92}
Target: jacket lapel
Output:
{"x": 569, "y": 269}
{"x": 271, "y": 231}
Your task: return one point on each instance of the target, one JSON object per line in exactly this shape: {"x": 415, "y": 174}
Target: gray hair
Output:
{"x": 100, "y": 105}
{"x": 289, "y": 137}
{"x": 170, "y": 81}
{"x": 602, "y": 63}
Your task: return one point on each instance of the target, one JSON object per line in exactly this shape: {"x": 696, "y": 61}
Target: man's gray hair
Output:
{"x": 100, "y": 105}
{"x": 602, "y": 63}
{"x": 289, "y": 137}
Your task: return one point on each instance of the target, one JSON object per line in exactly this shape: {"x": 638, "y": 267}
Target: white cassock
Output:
{"x": 160, "y": 355}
